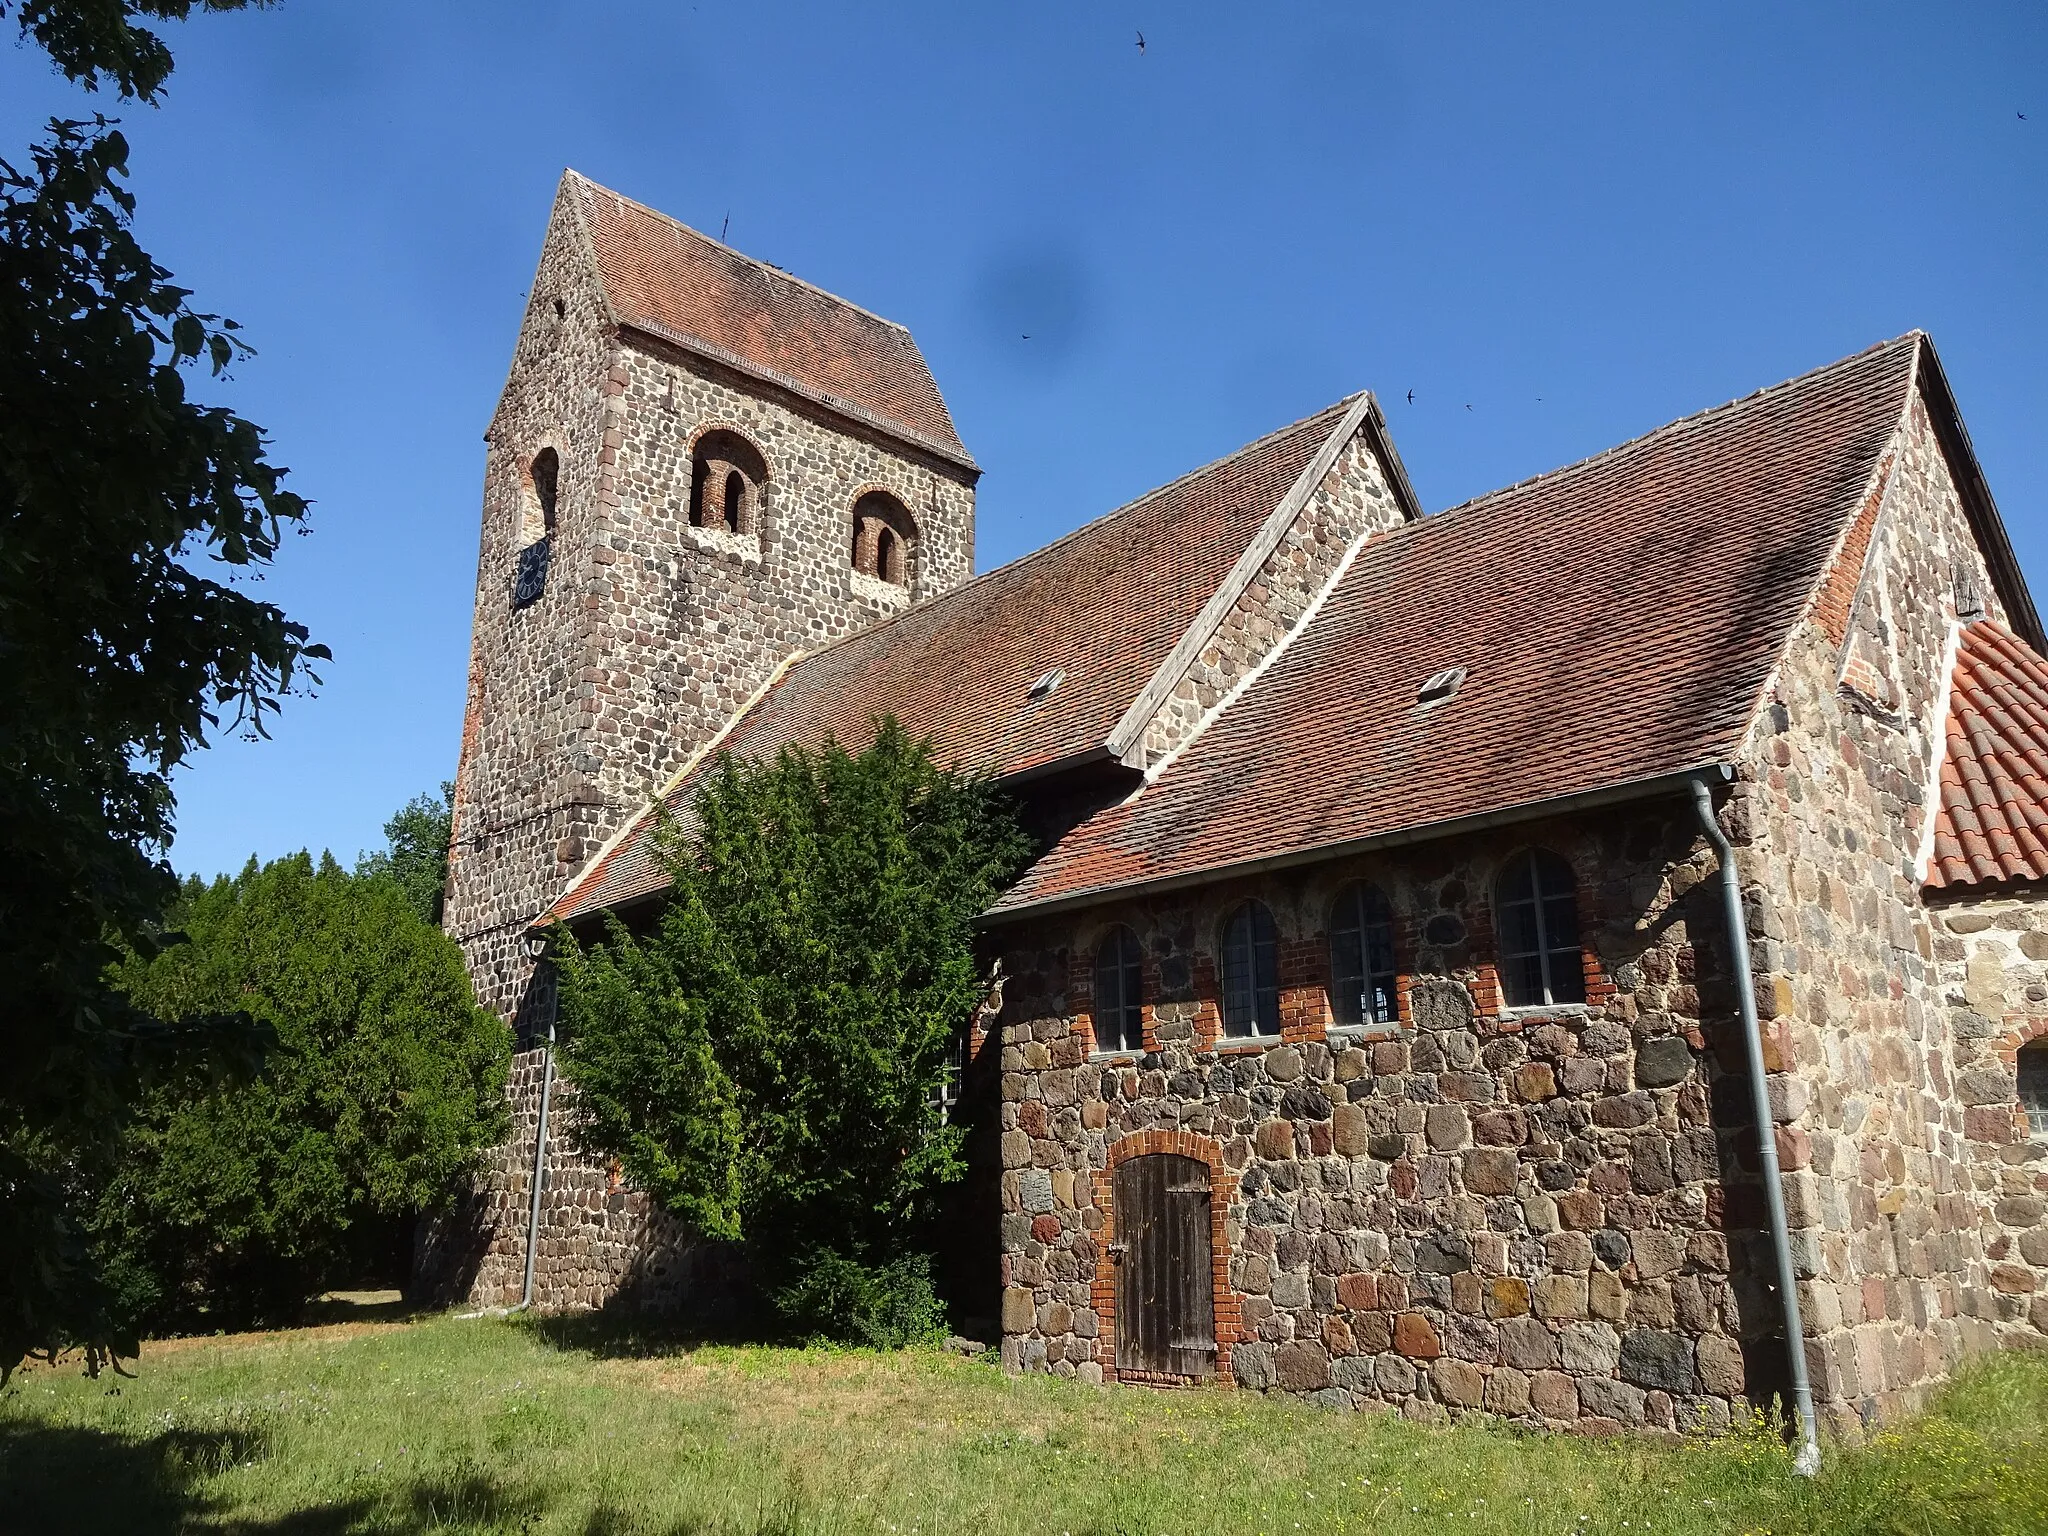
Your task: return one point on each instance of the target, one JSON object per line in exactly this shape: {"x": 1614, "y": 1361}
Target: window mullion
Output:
{"x": 1542, "y": 928}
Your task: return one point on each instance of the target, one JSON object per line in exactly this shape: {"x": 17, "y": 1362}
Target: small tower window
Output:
{"x": 1251, "y": 973}
{"x": 537, "y": 527}
{"x": 543, "y": 483}
{"x": 1362, "y": 981}
{"x": 884, "y": 539}
{"x": 1119, "y": 1007}
{"x": 1537, "y": 908}
{"x": 727, "y": 474}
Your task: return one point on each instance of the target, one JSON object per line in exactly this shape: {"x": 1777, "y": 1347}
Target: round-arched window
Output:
{"x": 1119, "y": 1004}
{"x": 726, "y": 476}
{"x": 544, "y": 478}
{"x": 1536, "y": 909}
{"x": 1251, "y": 973}
{"x": 884, "y": 538}
{"x": 1363, "y": 986}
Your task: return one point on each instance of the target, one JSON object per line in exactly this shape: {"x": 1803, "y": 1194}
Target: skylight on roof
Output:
{"x": 1044, "y": 686}
{"x": 1441, "y": 686}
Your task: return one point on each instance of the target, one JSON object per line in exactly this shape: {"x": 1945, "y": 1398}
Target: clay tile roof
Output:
{"x": 666, "y": 279}
{"x": 1992, "y": 823}
{"x": 1618, "y": 620}
{"x": 1105, "y": 605}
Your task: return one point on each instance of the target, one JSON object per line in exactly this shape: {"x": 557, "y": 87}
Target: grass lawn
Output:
{"x": 475, "y": 1426}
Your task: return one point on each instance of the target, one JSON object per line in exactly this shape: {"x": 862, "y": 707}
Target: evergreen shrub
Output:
{"x": 235, "y": 1203}
{"x": 767, "y": 1059}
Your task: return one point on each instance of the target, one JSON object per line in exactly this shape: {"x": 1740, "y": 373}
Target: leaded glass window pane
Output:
{"x": 1536, "y": 913}
{"x": 1119, "y": 993}
{"x": 2033, "y": 1065}
{"x": 1251, "y": 973}
{"x": 1362, "y": 981}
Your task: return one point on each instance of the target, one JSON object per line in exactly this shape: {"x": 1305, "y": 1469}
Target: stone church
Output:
{"x": 1433, "y": 906}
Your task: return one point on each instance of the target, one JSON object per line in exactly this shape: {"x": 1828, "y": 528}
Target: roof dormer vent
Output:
{"x": 1042, "y": 689}
{"x": 1441, "y": 686}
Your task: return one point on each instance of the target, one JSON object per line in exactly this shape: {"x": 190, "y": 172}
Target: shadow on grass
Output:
{"x": 86, "y": 1481}
{"x": 360, "y": 1307}
{"x": 610, "y": 1334}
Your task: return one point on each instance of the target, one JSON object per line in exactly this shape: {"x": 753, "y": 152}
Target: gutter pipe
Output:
{"x": 540, "y": 1147}
{"x": 1807, "y": 1462}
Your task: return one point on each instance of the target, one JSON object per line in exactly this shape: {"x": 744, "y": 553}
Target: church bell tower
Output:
{"x": 698, "y": 467}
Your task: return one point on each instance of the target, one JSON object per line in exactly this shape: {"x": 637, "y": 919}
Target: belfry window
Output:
{"x": 727, "y": 474}
{"x": 1362, "y": 981}
{"x": 1537, "y": 910}
{"x": 1119, "y": 1007}
{"x": 884, "y": 539}
{"x": 1251, "y": 973}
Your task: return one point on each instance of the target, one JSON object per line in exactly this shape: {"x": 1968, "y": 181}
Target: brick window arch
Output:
{"x": 1364, "y": 988}
{"x": 884, "y": 538}
{"x": 1251, "y": 972}
{"x": 726, "y": 476}
{"x": 1118, "y": 1008}
{"x": 1536, "y": 919}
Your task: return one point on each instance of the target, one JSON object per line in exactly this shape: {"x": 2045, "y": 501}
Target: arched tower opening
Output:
{"x": 884, "y": 543}
{"x": 727, "y": 478}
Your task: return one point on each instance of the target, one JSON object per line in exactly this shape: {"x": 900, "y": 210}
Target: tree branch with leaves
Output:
{"x": 132, "y": 519}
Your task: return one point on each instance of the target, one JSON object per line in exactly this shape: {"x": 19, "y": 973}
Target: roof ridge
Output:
{"x": 733, "y": 251}
{"x": 1070, "y": 535}
{"x": 1679, "y": 424}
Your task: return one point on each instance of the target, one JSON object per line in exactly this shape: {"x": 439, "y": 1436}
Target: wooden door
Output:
{"x": 1165, "y": 1307}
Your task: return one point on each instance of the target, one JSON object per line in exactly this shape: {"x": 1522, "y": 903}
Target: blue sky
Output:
{"x": 1579, "y": 222}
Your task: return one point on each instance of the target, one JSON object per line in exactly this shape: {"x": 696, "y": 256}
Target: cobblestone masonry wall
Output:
{"x": 1899, "y": 1186}
{"x": 600, "y": 1240}
{"x": 1527, "y": 1212}
{"x": 651, "y": 633}
{"x": 1993, "y": 959}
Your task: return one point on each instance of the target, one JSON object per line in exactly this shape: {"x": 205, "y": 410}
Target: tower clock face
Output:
{"x": 532, "y": 577}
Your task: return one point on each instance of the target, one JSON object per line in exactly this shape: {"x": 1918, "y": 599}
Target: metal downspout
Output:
{"x": 1807, "y": 1462}
{"x": 540, "y": 1147}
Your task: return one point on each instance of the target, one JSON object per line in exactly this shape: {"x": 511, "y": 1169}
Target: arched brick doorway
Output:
{"x": 1165, "y": 1307}
{"x": 1207, "y": 1172}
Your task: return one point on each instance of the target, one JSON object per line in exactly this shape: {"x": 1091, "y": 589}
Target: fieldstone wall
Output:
{"x": 600, "y": 1241}
{"x": 1993, "y": 958}
{"x": 1528, "y": 1212}
{"x": 1889, "y": 1181}
{"x": 650, "y": 633}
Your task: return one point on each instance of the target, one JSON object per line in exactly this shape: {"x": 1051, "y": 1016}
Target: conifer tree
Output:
{"x": 767, "y": 1060}
{"x": 235, "y": 1203}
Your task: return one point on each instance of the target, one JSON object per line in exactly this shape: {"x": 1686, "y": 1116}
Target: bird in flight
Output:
{"x": 1141, "y": 42}
{"x": 1411, "y": 397}
{"x": 1468, "y": 407}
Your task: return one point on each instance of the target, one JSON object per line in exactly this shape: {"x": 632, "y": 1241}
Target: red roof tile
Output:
{"x": 666, "y": 279}
{"x": 1992, "y": 823}
{"x": 1106, "y": 605}
{"x": 1618, "y": 620}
